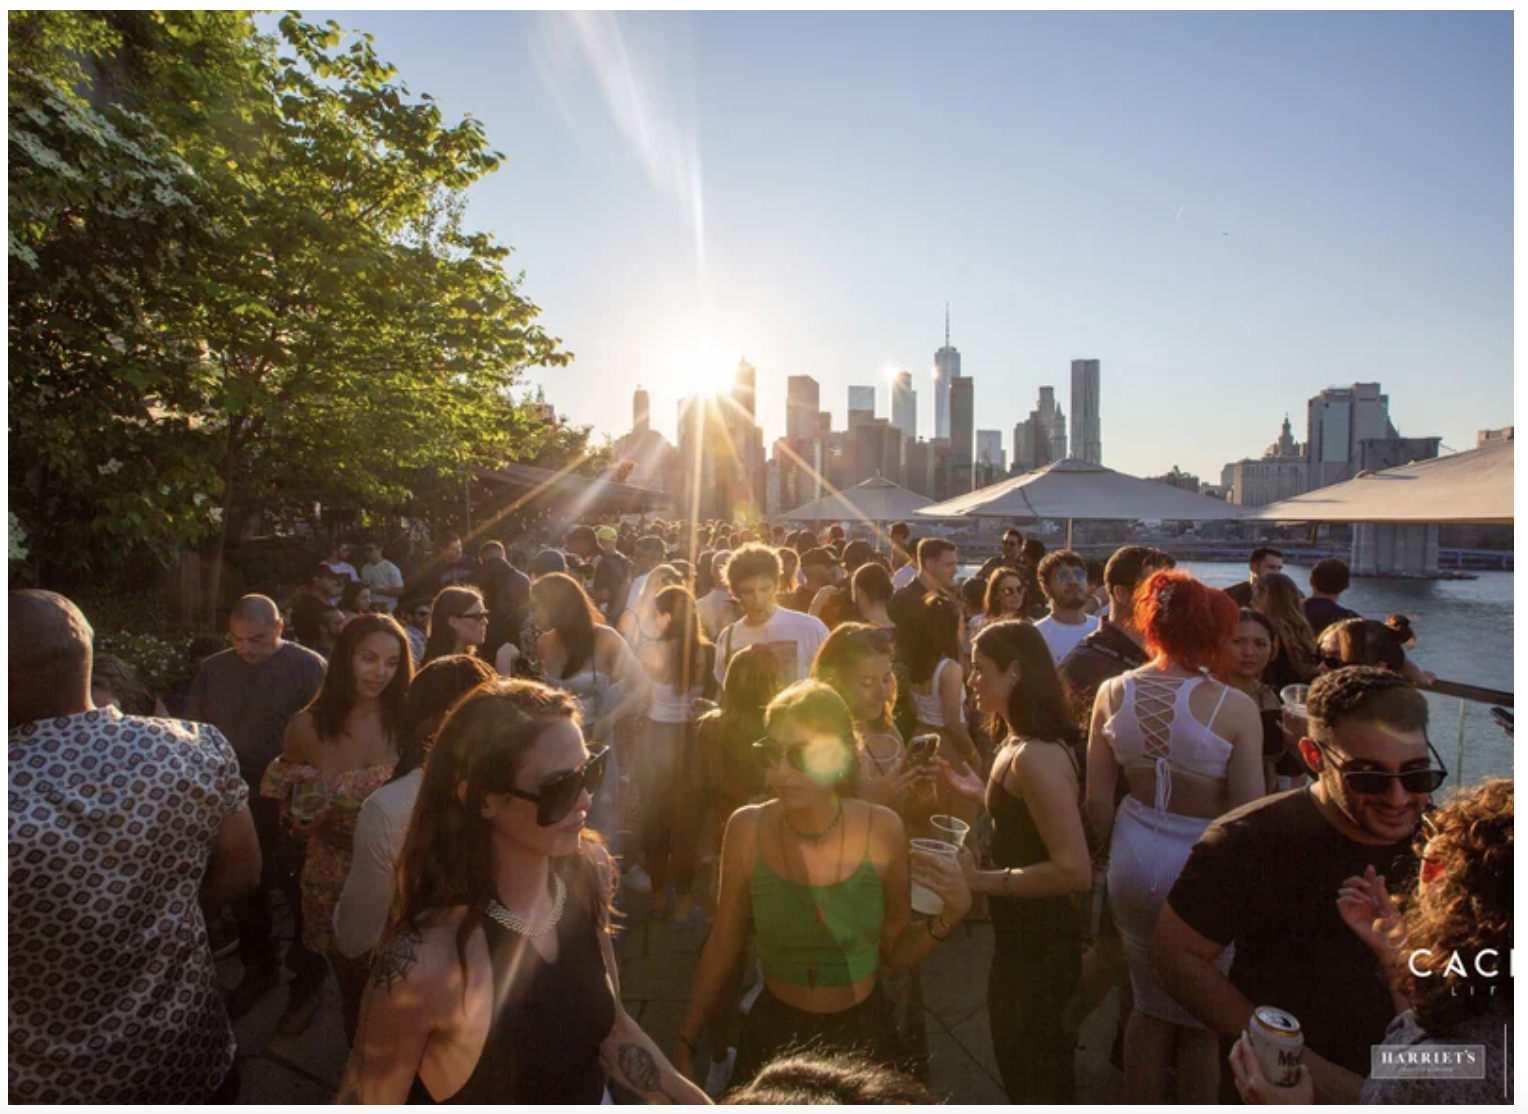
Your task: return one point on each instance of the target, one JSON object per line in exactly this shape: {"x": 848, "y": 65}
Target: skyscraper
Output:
{"x": 1087, "y": 444}
{"x": 861, "y": 405}
{"x": 641, "y": 411}
{"x": 745, "y": 388}
{"x": 1338, "y": 420}
{"x": 991, "y": 459}
{"x": 802, "y": 403}
{"x": 904, "y": 405}
{"x": 1042, "y": 439}
{"x": 946, "y": 368}
{"x": 962, "y": 432}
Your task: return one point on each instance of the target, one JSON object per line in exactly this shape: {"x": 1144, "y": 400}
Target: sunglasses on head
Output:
{"x": 1375, "y": 783}
{"x": 560, "y": 794}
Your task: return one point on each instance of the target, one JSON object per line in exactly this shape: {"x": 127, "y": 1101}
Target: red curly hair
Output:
{"x": 1186, "y": 621}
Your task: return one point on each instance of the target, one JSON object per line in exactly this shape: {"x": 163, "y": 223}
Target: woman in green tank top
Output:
{"x": 824, "y": 879}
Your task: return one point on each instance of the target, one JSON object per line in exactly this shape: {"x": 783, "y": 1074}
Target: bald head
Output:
{"x": 254, "y": 625}
{"x": 49, "y": 657}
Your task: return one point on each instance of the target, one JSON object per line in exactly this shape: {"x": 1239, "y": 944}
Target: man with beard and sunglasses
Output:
{"x": 1266, "y": 878}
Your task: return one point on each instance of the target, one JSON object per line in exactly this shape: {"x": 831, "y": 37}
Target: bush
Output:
{"x": 134, "y": 628}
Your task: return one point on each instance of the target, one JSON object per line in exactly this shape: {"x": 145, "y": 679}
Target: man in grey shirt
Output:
{"x": 249, "y": 693}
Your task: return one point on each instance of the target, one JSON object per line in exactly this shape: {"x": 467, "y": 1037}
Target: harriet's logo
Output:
{"x": 1460, "y": 1061}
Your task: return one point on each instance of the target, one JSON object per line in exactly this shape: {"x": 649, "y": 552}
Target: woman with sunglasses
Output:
{"x": 582, "y": 656}
{"x": 1461, "y": 907}
{"x": 360, "y": 915}
{"x": 1189, "y": 749}
{"x": 824, "y": 880}
{"x": 497, "y": 981}
{"x": 458, "y": 623}
{"x": 336, "y": 752}
{"x": 1004, "y": 600}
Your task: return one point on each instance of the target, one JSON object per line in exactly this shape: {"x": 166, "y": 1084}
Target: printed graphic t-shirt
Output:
{"x": 793, "y": 638}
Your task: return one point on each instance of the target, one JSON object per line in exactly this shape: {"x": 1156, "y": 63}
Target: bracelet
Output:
{"x": 688, "y": 1043}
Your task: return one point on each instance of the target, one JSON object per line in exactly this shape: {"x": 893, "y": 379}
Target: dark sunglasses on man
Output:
{"x": 560, "y": 794}
{"x": 1376, "y": 783}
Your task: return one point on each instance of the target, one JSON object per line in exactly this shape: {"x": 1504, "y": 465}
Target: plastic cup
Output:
{"x": 925, "y": 900}
{"x": 950, "y": 829}
{"x": 1296, "y": 721}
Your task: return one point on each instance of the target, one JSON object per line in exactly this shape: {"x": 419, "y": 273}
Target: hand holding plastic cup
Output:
{"x": 925, "y": 900}
{"x": 1296, "y": 722}
{"x": 950, "y": 829}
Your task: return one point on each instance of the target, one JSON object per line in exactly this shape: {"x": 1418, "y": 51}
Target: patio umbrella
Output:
{"x": 1072, "y": 489}
{"x": 874, "y": 500}
{"x": 1473, "y": 487}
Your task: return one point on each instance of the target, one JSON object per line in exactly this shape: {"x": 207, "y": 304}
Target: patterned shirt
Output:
{"x": 113, "y": 994}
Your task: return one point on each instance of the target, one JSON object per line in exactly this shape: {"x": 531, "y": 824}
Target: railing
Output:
{"x": 1476, "y": 694}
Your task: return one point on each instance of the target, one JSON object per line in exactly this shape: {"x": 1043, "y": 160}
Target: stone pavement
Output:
{"x": 657, "y": 964}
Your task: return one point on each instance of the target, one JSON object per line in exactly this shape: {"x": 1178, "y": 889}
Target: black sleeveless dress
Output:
{"x": 543, "y": 1045}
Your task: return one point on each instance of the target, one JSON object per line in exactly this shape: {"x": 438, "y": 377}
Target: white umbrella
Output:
{"x": 1473, "y": 487}
{"x": 1073, "y": 489}
{"x": 874, "y": 500}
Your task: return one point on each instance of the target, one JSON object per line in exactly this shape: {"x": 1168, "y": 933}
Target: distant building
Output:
{"x": 641, "y": 411}
{"x": 802, "y": 403}
{"x": 991, "y": 457}
{"x": 1489, "y": 436}
{"x": 1338, "y": 421}
{"x": 721, "y": 450}
{"x": 1042, "y": 438}
{"x": 946, "y": 370}
{"x": 1087, "y": 444}
{"x": 1280, "y": 473}
{"x": 1185, "y": 481}
{"x": 904, "y": 405}
{"x": 962, "y": 432}
{"x": 919, "y": 470}
{"x": 861, "y": 405}
{"x": 745, "y": 389}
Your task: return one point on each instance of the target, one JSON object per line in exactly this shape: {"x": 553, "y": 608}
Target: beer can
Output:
{"x": 1280, "y": 1045}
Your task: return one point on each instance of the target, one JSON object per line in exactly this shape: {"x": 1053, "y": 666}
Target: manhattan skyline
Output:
{"x": 1230, "y": 212}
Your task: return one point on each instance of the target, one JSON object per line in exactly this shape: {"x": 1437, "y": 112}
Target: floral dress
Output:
{"x": 329, "y": 849}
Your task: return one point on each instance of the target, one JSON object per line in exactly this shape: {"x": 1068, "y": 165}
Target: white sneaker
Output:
{"x": 637, "y": 881}
{"x": 720, "y": 1074}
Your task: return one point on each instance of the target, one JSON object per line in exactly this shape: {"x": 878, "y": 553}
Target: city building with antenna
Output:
{"x": 946, "y": 368}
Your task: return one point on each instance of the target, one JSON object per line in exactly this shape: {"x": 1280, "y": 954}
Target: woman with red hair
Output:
{"x": 1189, "y": 749}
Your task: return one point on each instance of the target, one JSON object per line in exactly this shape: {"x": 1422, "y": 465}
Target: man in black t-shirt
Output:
{"x": 1263, "y": 561}
{"x": 1329, "y": 578}
{"x": 1265, "y": 878}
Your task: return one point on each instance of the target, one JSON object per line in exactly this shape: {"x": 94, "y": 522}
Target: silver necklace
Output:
{"x": 523, "y": 927}
{"x": 812, "y": 837}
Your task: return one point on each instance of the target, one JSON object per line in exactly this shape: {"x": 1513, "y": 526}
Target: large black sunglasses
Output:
{"x": 559, "y": 795}
{"x": 768, "y": 752}
{"x": 1375, "y": 783}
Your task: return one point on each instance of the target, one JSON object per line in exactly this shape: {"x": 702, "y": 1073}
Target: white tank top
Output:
{"x": 931, "y": 708}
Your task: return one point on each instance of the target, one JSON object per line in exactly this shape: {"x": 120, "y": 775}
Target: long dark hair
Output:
{"x": 1037, "y": 705}
{"x": 331, "y": 707}
{"x": 938, "y": 636}
{"x": 437, "y": 686}
{"x": 571, "y": 614}
{"x": 692, "y": 658}
{"x": 449, "y": 603}
{"x": 992, "y": 604}
{"x": 447, "y": 857}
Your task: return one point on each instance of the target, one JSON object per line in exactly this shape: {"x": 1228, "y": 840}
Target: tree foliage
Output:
{"x": 241, "y": 278}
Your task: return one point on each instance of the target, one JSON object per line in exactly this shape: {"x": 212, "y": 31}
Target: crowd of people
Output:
{"x": 458, "y": 774}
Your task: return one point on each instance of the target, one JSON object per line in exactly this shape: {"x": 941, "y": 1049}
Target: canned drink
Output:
{"x": 1280, "y": 1045}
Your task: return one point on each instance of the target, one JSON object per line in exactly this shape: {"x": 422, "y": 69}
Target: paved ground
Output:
{"x": 656, "y": 968}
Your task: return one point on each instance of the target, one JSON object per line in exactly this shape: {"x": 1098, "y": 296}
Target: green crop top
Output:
{"x": 818, "y": 935}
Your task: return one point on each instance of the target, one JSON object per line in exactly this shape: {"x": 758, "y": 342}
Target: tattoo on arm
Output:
{"x": 641, "y": 1070}
{"x": 398, "y": 958}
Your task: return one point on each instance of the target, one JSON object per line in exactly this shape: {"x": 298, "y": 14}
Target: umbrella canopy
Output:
{"x": 1071, "y": 489}
{"x": 875, "y": 500}
{"x": 1473, "y": 487}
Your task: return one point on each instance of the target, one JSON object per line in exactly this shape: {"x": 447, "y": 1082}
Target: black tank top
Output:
{"x": 544, "y": 1041}
{"x": 1016, "y": 842}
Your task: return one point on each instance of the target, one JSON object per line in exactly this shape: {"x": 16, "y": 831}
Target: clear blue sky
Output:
{"x": 1231, "y": 212}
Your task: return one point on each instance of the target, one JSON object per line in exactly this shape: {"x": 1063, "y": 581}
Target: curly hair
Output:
{"x": 1365, "y": 692}
{"x": 1055, "y": 560}
{"x": 752, "y": 561}
{"x": 1185, "y": 620}
{"x": 1463, "y": 910}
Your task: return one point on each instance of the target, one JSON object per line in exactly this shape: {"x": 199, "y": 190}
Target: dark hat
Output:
{"x": 819, "y": 556}
{"x": 548, "y": 561}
